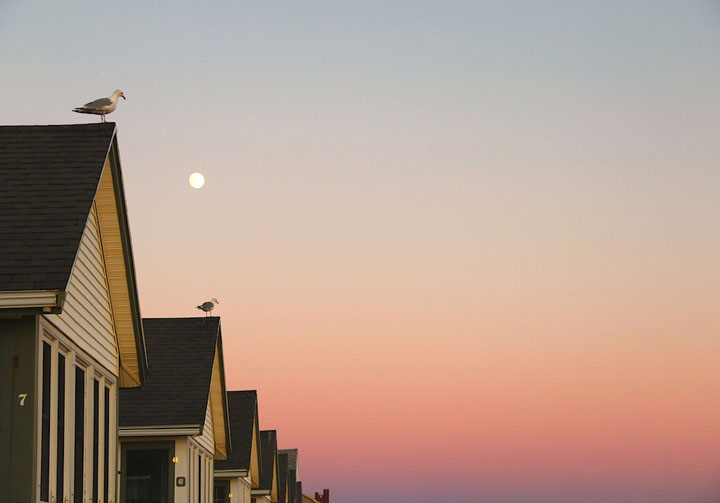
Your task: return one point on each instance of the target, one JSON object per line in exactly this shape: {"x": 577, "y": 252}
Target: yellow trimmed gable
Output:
{"x": 87, "y": 315}
{"x": 274, "y": 490}
{"x": 255, "y": 457}
{"x": 217, "y": 405}
{"x": 114, "y": 255}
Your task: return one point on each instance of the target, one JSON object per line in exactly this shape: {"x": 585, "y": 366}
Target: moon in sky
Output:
{"x": 196, "y": 180}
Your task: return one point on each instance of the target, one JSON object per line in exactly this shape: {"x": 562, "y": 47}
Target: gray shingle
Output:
{"x": 292, "y": 465}
{"x": 180, "y": 354}
{"x": 292, "y": 486}
{"x": 49, "y": 175}
{"x": 242, "y": 409}
{"x": 268, "y": 449}
{"x": 282, "y": 476}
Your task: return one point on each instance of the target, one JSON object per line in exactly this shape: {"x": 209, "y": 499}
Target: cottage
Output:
{"x": 267, "y": 493}
{"x": 292, "y": 474}
{"x": 70, "y": 330}
{"x": 176, "y": 426}
{"x": 240, "y": 473}
{"x": 283, "y": 492}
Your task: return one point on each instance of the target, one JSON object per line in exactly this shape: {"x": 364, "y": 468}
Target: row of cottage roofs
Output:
{"x": 97, "y": 404}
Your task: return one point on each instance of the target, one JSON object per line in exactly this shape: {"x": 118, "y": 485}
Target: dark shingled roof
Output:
{"x": 48, "y": 179}
{"x": 180, "y": 355}
{"x": 292, "y": 464}
{"x": 268, "y": 450}
{"x": 292, "y": 458}
{"x": 292, "y": 486}
{"x": 242, "y": 409}
{"x": 282, "y": 476}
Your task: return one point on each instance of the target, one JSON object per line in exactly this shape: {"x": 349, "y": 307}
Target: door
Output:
{"x": 147, "y": 474}
{"x": 222, "y": 491}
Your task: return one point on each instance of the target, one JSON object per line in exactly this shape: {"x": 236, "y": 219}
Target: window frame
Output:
{"x": 75, "y": 357}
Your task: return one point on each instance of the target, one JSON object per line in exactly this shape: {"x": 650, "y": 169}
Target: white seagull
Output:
{"x": 102, "y": 106}
{"x": 208, "y": 306}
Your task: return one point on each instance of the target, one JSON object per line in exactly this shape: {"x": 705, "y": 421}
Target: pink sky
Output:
{"x": 463, "y": 250}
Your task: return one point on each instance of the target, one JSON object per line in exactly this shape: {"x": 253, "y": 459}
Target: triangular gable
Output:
{"x": 282, "y": 473}
{"x": 255, "y": 455}
{"x": 274, "y": 490}
{"x": 287, "y": 488}
{"x": 268, "y": 463}
{"x": 117, "y": 250}
{"x": 182, "y": 353}
{"x": 218, "y": 404}
{"x": 87, "y": 315}
{"x": 207, "y": 436}
{"x": 100, "y": 308}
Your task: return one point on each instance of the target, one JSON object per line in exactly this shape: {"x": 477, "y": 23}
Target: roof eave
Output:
{"x": 258, "y": 444}
{"x": 129, "y": 261}
{"x": 226, "y": 409}
{"x": 160, "y": 430}
{"x": 231, "y": 473}
{"x": 43, "y": 301}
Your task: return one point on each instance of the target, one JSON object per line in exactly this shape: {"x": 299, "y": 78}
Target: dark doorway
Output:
{"x": 147, "y": 475}
{"x": 222, "y": 491}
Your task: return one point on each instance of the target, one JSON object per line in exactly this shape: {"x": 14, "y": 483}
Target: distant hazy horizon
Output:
{"x": 465, "y": 251}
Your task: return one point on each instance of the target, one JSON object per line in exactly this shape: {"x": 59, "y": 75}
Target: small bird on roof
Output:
{"x": 208, "y": 306}
{"x": 101, "y": 106}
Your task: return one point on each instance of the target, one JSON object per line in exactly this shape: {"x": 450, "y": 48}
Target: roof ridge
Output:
{"x": 180, "y": 317}
{"x": 92, "y": 124}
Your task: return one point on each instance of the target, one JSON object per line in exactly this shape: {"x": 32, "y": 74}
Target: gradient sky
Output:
{"x": 466, "y": 251}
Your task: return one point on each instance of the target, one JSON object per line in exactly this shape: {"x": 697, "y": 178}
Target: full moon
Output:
{"x": 196, "y": 180}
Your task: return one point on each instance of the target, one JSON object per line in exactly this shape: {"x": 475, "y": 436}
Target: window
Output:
{"x": 79, "y": 465}
{"x": 60, "y": 472}
{"x": 45, "y": 424}
{"x": 76, "y": 424}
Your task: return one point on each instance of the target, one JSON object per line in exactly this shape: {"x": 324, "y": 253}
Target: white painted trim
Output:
{"x": 54, "y": 332}
{"x": 260, "y": 492}
{"x": 29, "y": 298}
{"x": 219, "y": 474}
{"x": 75, "y": 358}
{"x": 192, "y": 440}
{"x": 152, "y": 431}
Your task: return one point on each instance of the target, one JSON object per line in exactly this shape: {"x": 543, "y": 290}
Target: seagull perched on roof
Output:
{"x": 102, "y": 106}
{"x": 208, "y": 306}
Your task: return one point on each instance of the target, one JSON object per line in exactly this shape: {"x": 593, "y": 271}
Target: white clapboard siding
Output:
{"x": 207, "y": 439}
{"x": 86, "y": 317}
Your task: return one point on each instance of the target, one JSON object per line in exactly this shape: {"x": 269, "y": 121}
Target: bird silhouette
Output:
{"x": 101, "y": 106}
{"x": 208, "y": 306}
